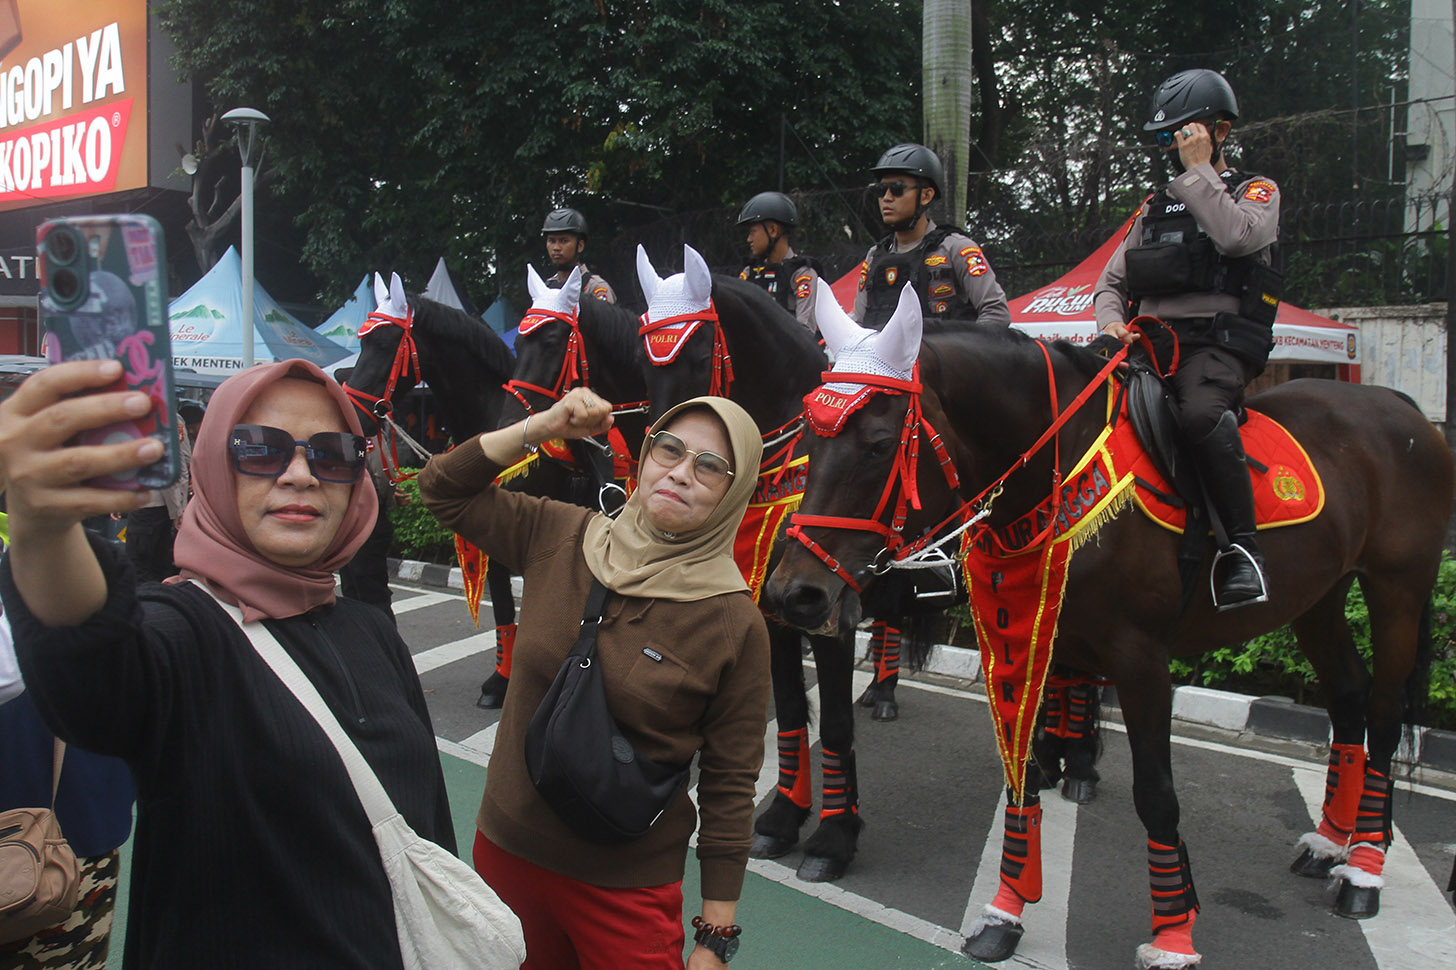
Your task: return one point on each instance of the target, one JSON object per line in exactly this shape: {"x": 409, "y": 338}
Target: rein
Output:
{"x": 406, "y": 362}
{"x": 924, "y": 551}
{"x": 721, "y": 380}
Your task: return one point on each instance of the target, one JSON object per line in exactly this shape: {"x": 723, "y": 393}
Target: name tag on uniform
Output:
{"x": 653, "y": 654}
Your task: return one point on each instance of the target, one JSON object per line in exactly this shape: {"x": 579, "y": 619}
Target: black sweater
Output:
{"x": 252, "y": 849}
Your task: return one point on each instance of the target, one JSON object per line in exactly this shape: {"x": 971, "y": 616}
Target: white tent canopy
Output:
{"x": 207, "y": 334}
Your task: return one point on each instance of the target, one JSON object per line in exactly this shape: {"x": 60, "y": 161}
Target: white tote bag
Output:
{"x": 447, "y": 917}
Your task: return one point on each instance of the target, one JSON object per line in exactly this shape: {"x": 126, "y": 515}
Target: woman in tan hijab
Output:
{"x": 684, "y": 655}
{"x": 252, "y": 848}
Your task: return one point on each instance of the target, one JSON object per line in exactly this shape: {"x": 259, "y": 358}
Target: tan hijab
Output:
{"x": 633, "y": 558}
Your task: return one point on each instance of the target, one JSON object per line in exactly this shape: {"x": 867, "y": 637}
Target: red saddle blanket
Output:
{"x": 1288, "y": 491}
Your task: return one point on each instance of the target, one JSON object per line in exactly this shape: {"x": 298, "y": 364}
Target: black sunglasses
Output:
{"x": 896, "y": 188}
{"x": 668, "y": 450}
{"x": 333, "y": 456}
{"x": 1165, "y": 138}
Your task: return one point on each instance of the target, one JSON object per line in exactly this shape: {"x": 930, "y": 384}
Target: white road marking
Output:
{"x": 448, "y": 653}
{"x": 419, "y": 602}
{"x": 1415, "y": 927}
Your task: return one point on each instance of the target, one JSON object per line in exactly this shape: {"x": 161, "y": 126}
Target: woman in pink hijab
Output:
{"x": 252, "y": 848}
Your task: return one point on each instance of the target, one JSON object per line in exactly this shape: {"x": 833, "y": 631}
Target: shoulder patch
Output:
{"x": 864, "y": 272}
{"x": 976, "y": 264}
{"x": 600, "y": 292}
{"x": 1259, "y": 190}
{"x": 803, "y": 285}
{"x": 942, "y": 289}
{"x": 935, "y": 260}
{"x": 743, "y": 273}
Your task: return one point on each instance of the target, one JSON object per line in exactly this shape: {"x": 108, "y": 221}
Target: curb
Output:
{"x": 1270, "y": 717}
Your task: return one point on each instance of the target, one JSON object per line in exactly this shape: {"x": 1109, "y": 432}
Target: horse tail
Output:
{"x": 918, "y": 639}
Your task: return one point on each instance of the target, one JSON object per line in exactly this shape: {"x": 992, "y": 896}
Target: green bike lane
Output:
{"x": 784, "y": 929}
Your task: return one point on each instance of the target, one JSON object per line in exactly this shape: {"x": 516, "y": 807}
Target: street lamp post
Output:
{"x": 247, "y": 120}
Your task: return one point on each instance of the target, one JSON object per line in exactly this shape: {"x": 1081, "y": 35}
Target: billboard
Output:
{"x": 73, "y": 99}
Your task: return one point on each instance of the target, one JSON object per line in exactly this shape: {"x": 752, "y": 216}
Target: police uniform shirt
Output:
{"x": 972, "y": 282}
{"x": 804, "y": 280}
{"x": 592, "y": 285}
{"x": 1241, "y": 223}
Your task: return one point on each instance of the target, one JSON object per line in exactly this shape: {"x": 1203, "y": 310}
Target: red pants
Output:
{"x": 570, "y": 924}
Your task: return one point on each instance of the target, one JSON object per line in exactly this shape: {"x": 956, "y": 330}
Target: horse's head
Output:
{"x": 876, "y": 467}
{"x": 387, "y": 366}
{"x": 685, "y": 353}
{"x": 550, "y": 359}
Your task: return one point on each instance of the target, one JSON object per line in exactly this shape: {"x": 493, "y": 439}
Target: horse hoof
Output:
{"x": 1079, "y": 790}
{"x": 885, "y": 711}
{"x": 493, "y": 692}
{"x": 819, "y": 868}
{"x": 1312, "y": 866}
{"x": 770, "y": 846}
{"x": 870, "y": 696}
{"x": 995, "y": 942}
{"x": 1357, "y": 902}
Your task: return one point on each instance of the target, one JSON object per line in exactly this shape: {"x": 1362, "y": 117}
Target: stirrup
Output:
{"x": 1233, "y": 549}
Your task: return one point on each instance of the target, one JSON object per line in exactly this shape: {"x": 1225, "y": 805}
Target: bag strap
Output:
{"x": 58, "y": 757}
{"x": 372, "y": 795}
{"x": 591, "y": 616}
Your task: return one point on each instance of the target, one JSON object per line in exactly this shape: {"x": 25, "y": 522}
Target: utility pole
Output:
{"x": 946, "y": 87}
{"x": 1450, "y": 425}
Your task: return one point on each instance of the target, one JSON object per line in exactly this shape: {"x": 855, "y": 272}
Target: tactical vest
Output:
{"x": 889, "y": 270}
{"x": 777, "y": 279}
{"x": 1175, "y": 256}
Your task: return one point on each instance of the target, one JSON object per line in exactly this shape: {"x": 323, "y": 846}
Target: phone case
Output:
{"x": 104, "y": 295}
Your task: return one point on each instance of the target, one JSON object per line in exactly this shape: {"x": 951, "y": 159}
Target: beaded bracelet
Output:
{"x": 727, "y": 932}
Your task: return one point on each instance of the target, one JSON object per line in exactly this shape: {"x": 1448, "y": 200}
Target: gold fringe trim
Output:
{"x": 1090, "y": 527}
{"x": 522, "y": 467}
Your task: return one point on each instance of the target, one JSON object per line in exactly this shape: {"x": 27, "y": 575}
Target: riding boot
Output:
{"x": 1237, "y": 574}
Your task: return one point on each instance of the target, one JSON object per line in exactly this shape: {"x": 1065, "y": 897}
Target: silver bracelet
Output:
{"x": 526, "y": 446}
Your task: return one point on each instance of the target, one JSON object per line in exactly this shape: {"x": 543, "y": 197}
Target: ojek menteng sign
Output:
{"x": 73, "y": 99}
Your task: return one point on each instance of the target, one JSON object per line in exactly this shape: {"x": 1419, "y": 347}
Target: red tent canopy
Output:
{"x": 1063, "y": 311}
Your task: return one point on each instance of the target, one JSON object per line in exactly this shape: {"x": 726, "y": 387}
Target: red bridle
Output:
{"x": 721, "y": 380}
{"x": 573, "y": 361}
{"x": 406, "y": 362}
{"x": 901, "y": 492}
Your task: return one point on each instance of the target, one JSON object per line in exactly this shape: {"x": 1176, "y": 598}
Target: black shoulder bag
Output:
{"x": 590, "y": 775}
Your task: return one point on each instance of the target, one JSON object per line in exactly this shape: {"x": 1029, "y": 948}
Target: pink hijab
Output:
{"x": 212, "y": 546}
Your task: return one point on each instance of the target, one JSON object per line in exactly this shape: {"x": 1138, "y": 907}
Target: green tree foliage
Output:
{"x": 407, "y": 130}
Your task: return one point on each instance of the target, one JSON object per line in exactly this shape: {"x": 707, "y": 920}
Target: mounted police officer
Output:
{"x": 946, "y": 266}
{"x": 787, "y": 277}
{"x": 1198, "y": 258}
{"x": 565, "y": 233}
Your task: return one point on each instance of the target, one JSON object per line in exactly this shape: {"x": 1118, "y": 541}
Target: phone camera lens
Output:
{"x": 65, "y": 286}
{"x": 62, "y": 246}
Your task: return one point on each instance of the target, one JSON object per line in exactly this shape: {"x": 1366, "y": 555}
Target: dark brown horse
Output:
{"x": 718, "y": 335}
{"x": 1388, "y": 477}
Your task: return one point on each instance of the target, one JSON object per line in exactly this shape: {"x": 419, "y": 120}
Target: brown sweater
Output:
{"x": 707, "y": 695}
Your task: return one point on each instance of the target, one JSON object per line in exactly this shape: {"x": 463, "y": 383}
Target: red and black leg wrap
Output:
{"x": 1372, "y": 820}
{"x": 1344, "y": 782}
{"x": 505, "y": 644}
{"x": 794, "y": 767}
{"x": 1020, "y": 858}
{"x": 841, "y": 790}
{"x": 1080, "y": 721}
{"x": 885, "y": 648}
{"x": 1175, "y": 902}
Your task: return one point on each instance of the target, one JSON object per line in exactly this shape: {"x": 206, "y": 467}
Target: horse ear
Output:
{"x": 381, "y": 290}
{"x": 535, "y": 285}
{"x": 837, "y": 327}
{"x": 899, "y": 343}
{"x": 396, "y": 294}
{"x": 697, "y": 278}
{"x": 571, "y": 291}
{"x": 646, "y": 276}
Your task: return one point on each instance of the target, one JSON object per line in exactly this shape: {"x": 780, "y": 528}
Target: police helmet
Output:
{"x": 914, "y": 159}
{"x": 767, "y": 206}
{"x": 564, "y": 220}
{"x": 1190, "y": 95}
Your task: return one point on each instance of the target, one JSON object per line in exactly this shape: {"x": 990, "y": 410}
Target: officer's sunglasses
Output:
{"x": 1165, "y": 138}
{"x": 333, "y": 456}
{"x": 896, "y": 188}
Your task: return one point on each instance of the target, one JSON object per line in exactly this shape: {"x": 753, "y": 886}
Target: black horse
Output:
{"x": 988, "y": 394}
{"x": 744, "y": 346}
{"x": 412, "y": 340}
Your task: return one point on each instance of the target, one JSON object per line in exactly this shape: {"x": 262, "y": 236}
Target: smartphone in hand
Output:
{"x": 104, "y": 296}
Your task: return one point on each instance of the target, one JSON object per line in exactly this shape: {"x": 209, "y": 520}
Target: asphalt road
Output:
{"x": 931, "y": 798}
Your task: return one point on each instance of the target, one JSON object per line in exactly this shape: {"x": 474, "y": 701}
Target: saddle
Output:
{"x": 1287, "y": 486}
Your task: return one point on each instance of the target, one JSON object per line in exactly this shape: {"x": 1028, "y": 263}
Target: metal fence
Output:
{"x": 1369, "y": 253}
